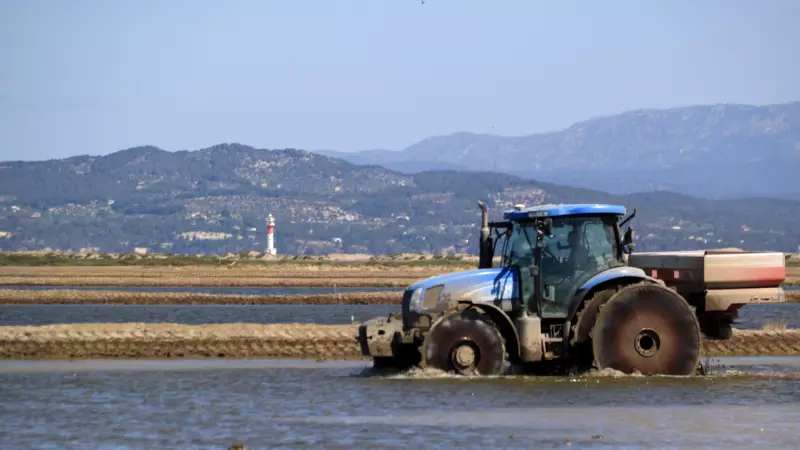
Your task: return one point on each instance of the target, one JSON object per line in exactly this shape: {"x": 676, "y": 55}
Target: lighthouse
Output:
{"x": 271, "y": 235}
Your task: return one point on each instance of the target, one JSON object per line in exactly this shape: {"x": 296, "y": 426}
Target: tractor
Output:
{"x": 568, "y": 290}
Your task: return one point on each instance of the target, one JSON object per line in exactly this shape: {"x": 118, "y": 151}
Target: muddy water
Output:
{"x": 190, "y": 315}
{"x": 751, "y": 316}
{"x": 751, "y": 403}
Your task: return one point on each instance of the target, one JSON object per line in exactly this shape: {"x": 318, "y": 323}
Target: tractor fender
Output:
{"x": 503, "y": 323}
{"x": 610, "y": 280}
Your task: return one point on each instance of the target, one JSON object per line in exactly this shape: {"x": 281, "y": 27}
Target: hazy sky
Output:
{"x": 93, "y": 77}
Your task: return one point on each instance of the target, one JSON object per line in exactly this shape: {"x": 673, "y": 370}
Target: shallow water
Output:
{"x": 288, "y": 404}
{"x": 751, "y": 316}
{"x": 190, "y": 314}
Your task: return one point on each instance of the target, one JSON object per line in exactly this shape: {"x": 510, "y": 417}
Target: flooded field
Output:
{"x": 751, "y": 316}
{"x": 214, "y": 290}
{"x": 747, "y": 403}
{"x": 190, "y": 315}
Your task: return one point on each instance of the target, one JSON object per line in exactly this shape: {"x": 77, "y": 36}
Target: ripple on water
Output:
{"x": 751, "y": 316}
{"x": 285, "y": 404}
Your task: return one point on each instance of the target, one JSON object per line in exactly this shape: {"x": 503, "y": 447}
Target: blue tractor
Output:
{"x": 563, "y": 292}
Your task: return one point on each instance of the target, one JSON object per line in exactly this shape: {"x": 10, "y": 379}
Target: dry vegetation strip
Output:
{"x": 329, "y": 271}
{"x": 76, "y": 297}
{"x": 262, "y": 276}
{"x": 212, "y": 282}
{"x": 82, "y": 297}
{"x": 137, "y": 340}
{"x": 792, "y": 275}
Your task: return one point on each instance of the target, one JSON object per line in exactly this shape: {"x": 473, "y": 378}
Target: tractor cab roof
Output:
{"x": 562, "y": 210}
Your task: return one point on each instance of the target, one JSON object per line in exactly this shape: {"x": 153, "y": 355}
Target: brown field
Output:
{"x": 212, "y": 282}
{"x": 321, "y": 275}
{"x": 307, "y": 341}
{"x": 792, "y": 276}
{"x": 258, "y": 276}
{"x": 245, "y": 271}
{"x": 75, "y": 297}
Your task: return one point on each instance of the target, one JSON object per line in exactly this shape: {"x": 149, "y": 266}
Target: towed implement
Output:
{"x": 570, "y": 289}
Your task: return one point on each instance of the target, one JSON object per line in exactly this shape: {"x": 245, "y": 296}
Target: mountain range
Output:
{"x": 709, "y": 151}
{"x": 216, "y": 200}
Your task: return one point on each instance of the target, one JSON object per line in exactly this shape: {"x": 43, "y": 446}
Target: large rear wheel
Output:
{"x": 466, "y": 343}
{"x": 648, "y": 329}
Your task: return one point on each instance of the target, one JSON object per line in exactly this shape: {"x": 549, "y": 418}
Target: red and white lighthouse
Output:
{"x": 271, "y": 235}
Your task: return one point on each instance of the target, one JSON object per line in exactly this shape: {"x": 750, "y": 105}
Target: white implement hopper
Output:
{"x": 725, "y": 278}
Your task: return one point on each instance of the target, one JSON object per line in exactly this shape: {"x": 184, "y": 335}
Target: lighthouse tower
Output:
{"x": 271, "y": 235}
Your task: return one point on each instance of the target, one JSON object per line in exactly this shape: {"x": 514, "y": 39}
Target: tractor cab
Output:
{"x": 555, "y": 249}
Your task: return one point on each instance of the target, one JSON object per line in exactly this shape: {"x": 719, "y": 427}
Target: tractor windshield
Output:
{"x": 579, "y": 248}
{"x": 583, "y": 242}
{"x": 518, "y": 249}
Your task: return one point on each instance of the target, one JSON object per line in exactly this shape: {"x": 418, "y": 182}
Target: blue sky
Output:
{"x": 94, "y": 77}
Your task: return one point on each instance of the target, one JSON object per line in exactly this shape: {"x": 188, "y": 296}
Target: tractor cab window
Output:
{"x": 519, "y": 252}
{"x": 520, "y": 246}
{"x": 578, "y": 248}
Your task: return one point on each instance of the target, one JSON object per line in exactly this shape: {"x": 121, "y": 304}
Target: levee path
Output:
{"x": 304, "y": 341}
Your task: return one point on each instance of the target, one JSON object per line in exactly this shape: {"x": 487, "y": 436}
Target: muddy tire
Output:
{"x": 466, "y": 343}
{"x": 581, "y": 343}
{"x": 647, "y": 329}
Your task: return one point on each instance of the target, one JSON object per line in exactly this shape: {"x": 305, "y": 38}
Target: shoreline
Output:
{"x": 297, "y": 341}
{"x": 284, "y": 275}
{"x": 78, "y": 297}
{"x": 386, "y": 282}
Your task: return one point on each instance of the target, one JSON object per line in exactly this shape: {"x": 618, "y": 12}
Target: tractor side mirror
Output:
{"x": 627, "y": 241}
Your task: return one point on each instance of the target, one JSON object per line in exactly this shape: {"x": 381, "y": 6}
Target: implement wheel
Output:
{"x": 466, "y": 343}
{"x": 649, "y": 329}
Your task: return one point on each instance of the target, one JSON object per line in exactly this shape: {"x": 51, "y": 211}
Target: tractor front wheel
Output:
{"x": 648, "y": 329}
{"x": 465, "y": 343}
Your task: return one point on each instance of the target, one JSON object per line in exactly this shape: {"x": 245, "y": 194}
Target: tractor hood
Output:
{"x": 498, "y": 286}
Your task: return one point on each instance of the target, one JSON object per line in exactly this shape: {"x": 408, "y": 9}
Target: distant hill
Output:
{"x": 716, "y": 151}
{"x": 216, "y": 200}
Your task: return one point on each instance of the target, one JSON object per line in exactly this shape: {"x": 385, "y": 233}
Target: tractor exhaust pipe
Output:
{"x": 485, "y": 242}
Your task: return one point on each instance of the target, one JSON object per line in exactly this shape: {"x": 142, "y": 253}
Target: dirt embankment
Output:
{"x": 792, "y": 276}
{"x": 244, "y": 271}
{"x": 308, "y": 341}
{"x": 80, "y": 297}
{"x": 756, "y": 343}
{"x": 76, "y": 297}
{"x": 278, "y": 276}
{"x": 137, "y": 340}
{"x": 394, "y": 282}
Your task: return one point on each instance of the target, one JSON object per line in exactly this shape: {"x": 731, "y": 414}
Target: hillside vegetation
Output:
{"x": 216, "y": 200}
